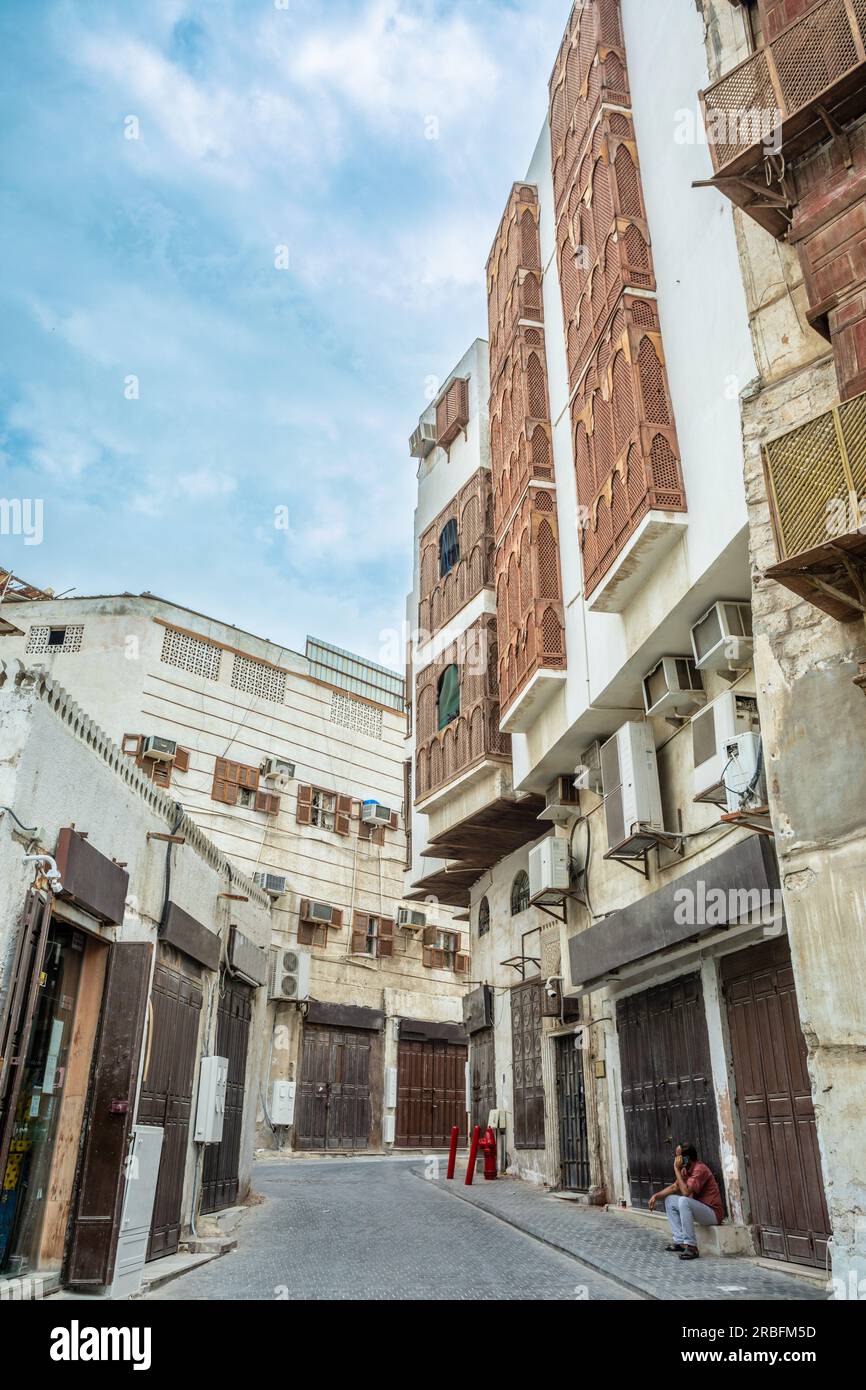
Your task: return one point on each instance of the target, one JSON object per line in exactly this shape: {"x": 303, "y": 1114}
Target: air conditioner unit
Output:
{"x": 409, "y": 918}
{"x": 373, "y": 813}
{"x": 423, "y": 439}
{"x": 673, "y": 686}
{"x": 561, "y": 801}
{"x": 720, "y": 721}
{"x": 275, "y": 884}
{"x": 632, "y": 798}
{"x": 722, "y": 637}
{"x": 548, "y": 868}
{"x": 319, "y": 912}
{"x": 745, "y": 782}
{"x": 587, "y": 774}
{"x": 160, "y": 750}
{"x": 290, "y": 974}
{"x": 277, "y": 770}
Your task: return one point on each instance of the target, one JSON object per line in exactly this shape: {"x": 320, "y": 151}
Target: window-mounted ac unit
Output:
{"x": 722, "y": 637}
{"x": 745, "y": 781}
{"x": 277, "y": 770}
{"x": 159, "y": 750}
{"x": 411, "y": 919}
{"x": 318, "y": 912}
{"x": 274, "y": 884}
{"x": 673, "y": 686}
{"x": 632, "y": 797}
{"x": 548, "y": 867}
{"x": 423, "y": 439}
{"x": 374, "y": 813}
{"x": 290, "y": 974}
{"x": 587, "y": 774}
{"x": 715, "y": 725}
{"x": 561, "y": 801}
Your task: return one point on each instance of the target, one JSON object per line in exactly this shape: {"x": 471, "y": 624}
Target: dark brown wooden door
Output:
{"x": 220, "y": 1176}
{"x": 431, "y": 1093}
{"x": 90, "y": 1257}
{"x": 574, "y": 1174}
{"x": 334, "y": 1089}
{"x": 774, "y": 1100}
{"x": 667, "y": 1088}
{"x": 526, "y": 1014}
{"x": 482, "y": 1067}
{"x": 166, "y": 1096}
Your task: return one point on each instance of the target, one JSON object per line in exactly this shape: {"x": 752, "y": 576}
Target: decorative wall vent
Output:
{"x": 54, "y": 639}
{"x": 355, "y": 715}
{"x": 191, "y": 654}
{"x": 255, "y": 678}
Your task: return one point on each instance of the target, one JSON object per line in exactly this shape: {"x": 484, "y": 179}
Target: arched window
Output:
{"x": 448, "y": 696}
{"x": 483, "y": 917}
{"x": 520, "y": 893}
{"x": 449, "y": 548}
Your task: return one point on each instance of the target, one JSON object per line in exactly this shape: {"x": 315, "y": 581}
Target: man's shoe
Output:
{"x": 690, "y": 1253}
{"x": 678, "y": 1249}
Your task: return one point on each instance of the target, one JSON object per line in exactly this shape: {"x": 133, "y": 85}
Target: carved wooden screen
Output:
{"x": 442, "y": 597}
{"x": 443, "y": 754}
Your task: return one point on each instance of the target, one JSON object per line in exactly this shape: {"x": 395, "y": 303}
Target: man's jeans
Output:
{"x": 682, "y": 1213}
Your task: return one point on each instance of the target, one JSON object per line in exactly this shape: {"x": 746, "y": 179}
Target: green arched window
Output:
{"x": 448, "y": 696}
{"x": 449, "y": 548}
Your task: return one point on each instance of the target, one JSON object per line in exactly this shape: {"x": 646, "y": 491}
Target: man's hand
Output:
{"x": 652, "y": 1201}
{"x": 678, "y": 1164}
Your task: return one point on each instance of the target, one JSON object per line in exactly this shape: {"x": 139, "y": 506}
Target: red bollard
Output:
{"x": 473, "y": 1154}
{"x": 452, "y": 1152}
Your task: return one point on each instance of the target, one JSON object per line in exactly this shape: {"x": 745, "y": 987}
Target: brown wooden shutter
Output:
{"x": 304, "y": 810}
{"x": 394, "y": 821}
{"x": 461, "y": 962}
{"x": 181, "y": 760}
{"x": 160, "y": 773}
{"x": 304, "y": 909}
{"x": 131, "y": 744}
{"x": 342, "y": 819}
{"x": 386, "y": 936}
{"x": 248, "y": 776}
{"x": 312, "y": 934}
{"x": 360, "y": 925}
{"x": 337, "y": 918}
{"x": 225, "y": 782}
{"x": 433, "y": 958}
{"x": 267, "y": 802}
{"x": 17, "y": 1016}
{"x": 430, "y": 935}
{"x": 93, "y": 1243}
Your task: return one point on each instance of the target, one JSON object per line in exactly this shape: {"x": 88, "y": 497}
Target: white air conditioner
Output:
{"x": 548, "y": 867}
{"x": 561, "y": 801}
{"x": 319, "y": 912}
{"x": 720, "y": 721}
{"x": 745, "y": 782}
{"x": 373, "y": 813}
{"x": 409, "y": 918}
{"x": 722, "y": 637}
{"x": 423, "y": 439}
{"x": 673, "y": 686}
{"x": 290, "y": 974}
{"x": 275, "y": 884}
{"x": 587, "y": 774}
{"x": 632, "y": 797}
{"x": 277, "y": 770}
{"x": 160, "y": 750}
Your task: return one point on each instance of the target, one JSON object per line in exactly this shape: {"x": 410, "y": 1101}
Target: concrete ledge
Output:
{"x": 726, "y": 1239}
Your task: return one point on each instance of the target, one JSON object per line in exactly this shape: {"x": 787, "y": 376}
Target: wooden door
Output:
{"x": 220, "y": 1172}
{"x": 774, "y": 1100}
{"x": 166, "y": 1096}
{"x": 667, "y": 1088}
{"x": 526, "y": 1015}
{"x": 482, "y": 1066}
{"x": 334, "y": 1109}
{"x": 431, "y": 1092}
{"x": 571, "y": 1106}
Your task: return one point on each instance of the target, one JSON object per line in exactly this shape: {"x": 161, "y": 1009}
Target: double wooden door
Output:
{"x": 431, "y": 1093}
{"x": 333, "y": 1109}
{"x": 482, "y": 1071}
{"x": 774, "y": 1100}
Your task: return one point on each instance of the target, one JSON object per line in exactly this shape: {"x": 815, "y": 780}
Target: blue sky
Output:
{"x": 258, "y": 126}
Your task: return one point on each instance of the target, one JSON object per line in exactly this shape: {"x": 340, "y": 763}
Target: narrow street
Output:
{"x": 374, "y": 1229}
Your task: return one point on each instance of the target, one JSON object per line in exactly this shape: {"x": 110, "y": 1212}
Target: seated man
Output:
{"x": 692, "y": 1196}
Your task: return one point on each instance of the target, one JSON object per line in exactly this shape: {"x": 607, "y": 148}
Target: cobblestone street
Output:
{"x": 375, "y": 1229}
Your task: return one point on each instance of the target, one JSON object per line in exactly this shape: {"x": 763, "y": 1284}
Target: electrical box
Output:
{"x": 283, "y": 1103}
{"x": 211, "y": 1108}
{"x": 391, "y": 1086}
{"x": 389, "y": 1129}
{"x": 548, "y": 867}
{"x": 745, "y": 782}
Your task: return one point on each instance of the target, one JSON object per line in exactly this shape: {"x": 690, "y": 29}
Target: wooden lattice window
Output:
{"x": 324, "y": 809}
{"x": 311, "y": 930}
{"x": 237, "y": 784}
{"x": 441, "y": 951}
{"x": 158, "y": 771}
{"x": 372, "y": 935}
